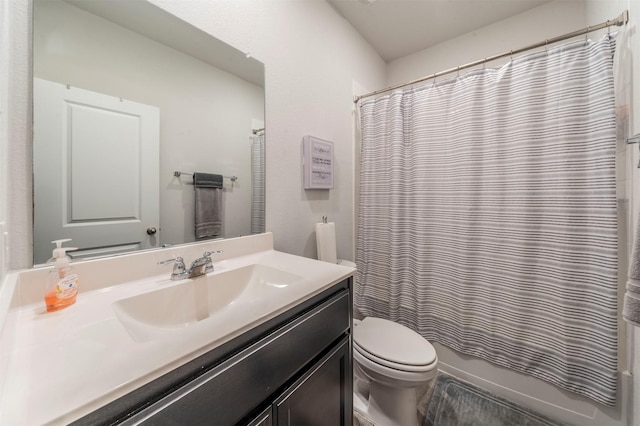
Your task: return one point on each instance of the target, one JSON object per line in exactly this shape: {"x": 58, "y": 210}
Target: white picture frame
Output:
{"x": 317, "y": 163}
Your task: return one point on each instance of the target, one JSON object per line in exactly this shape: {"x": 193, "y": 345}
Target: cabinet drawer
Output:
{"x": 228, "y": 392}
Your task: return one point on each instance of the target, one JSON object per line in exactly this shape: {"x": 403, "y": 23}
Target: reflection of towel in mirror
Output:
{"x": 208, "y": 189}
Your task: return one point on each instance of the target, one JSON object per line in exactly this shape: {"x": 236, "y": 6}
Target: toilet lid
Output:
{"x": 393, "y": 342}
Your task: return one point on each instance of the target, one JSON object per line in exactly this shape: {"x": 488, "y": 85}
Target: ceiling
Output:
{"x": 152, "y": 22}
{"x": 396, "y": 28}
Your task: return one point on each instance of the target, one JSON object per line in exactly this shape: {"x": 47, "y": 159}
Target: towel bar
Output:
{"x": 177, "y": 174}
{"x": 635, "y": 139}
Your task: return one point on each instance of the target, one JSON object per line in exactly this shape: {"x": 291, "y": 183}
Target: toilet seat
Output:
{"x": 393, "y": 365}
{"x": 393, "y": 345}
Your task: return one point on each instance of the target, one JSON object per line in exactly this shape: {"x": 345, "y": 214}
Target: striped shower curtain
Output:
{"x": 487, "y": 218}
{"x": 257, "y": 184}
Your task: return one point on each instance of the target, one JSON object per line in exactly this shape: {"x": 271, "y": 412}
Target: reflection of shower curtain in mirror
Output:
{"x": 488, "y": 215}
{"x": 257, "y": 184}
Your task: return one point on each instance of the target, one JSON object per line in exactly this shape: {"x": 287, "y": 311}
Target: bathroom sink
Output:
{"x": 198, "y": 299}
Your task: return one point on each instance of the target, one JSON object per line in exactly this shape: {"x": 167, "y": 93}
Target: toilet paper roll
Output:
{"x": 326, "y": 241}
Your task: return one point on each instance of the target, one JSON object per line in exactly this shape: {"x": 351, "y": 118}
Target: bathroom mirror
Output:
{"x": 129, "y": 101}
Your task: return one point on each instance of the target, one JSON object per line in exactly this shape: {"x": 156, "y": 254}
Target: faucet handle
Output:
{"x": 209, "y": 263}
{"x": 177, "y": 260}
{"x": 179, "y": 270}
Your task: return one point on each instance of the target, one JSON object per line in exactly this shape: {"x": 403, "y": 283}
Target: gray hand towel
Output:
{"x": 207, "y": 180}
{"x": 631, "y": 306}
{"x": 208, "y": 195}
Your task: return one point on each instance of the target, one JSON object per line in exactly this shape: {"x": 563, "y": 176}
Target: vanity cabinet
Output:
{"x": 294, "y": 369}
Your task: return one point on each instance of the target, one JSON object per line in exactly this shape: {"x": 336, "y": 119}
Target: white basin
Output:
{"x": 193, "y": 300}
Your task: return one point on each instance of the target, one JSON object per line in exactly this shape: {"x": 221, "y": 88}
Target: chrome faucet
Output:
{"x": 200, "y": 266}
{"x": 179, "y": 271}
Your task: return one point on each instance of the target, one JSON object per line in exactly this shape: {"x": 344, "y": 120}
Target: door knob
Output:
{"x": 151, "y": 230}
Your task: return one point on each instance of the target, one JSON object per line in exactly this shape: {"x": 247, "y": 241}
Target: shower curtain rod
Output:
{"x": 622, "y": 19}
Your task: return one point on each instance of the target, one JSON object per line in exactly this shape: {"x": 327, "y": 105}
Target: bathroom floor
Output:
{"x": 457, "y": 403}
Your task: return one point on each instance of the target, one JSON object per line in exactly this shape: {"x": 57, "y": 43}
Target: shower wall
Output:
{"x": 559, "y": 17}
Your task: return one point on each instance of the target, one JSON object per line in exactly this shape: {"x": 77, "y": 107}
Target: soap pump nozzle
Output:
{"x": 60, "y": 253}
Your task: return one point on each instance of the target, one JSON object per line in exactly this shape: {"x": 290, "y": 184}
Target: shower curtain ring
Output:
{"x": 586, "y": 35}
{"x": 546, "y": 45}
{"x": 511, "y": 53}
{"x": 458, "y": 75}
{"x": 434, "y": 79}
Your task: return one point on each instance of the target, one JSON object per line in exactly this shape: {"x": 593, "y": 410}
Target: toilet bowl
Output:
{"x": 390, "y": 363}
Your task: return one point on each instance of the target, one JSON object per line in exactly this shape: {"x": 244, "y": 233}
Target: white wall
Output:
{"x": 312, "y": 59}
{"x": 5, "y": 47}
{"x": 547, "y": 21}
{"x": 205, "y": 113}
{"x": 16, "y": 181}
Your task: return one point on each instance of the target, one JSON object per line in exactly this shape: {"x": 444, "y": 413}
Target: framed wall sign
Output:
{"x": 317, "y": 163}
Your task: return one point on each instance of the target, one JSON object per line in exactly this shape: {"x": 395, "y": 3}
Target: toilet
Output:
{"x": 390, "y": 363}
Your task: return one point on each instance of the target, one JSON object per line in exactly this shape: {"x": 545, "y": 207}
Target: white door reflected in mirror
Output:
{"x": 97, "y": 160}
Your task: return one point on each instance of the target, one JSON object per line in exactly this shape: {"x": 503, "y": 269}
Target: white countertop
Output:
{"x": 62, "y": 365}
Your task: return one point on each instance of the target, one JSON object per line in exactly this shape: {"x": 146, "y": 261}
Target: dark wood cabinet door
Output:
{"x": 323, "y": 396}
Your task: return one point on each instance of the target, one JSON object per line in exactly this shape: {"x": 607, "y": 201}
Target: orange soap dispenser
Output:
{"x": 62, "y": 282}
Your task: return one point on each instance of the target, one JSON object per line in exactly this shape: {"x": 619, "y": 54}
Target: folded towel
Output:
{"x": 208, "y": 195}
{"x": 631, "y": 305}
{"x": 207, "y": 180}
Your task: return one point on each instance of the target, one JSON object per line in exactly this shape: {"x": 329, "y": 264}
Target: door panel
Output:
{"x": 96, "y": 160}
{"x": 99, "y": 139}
